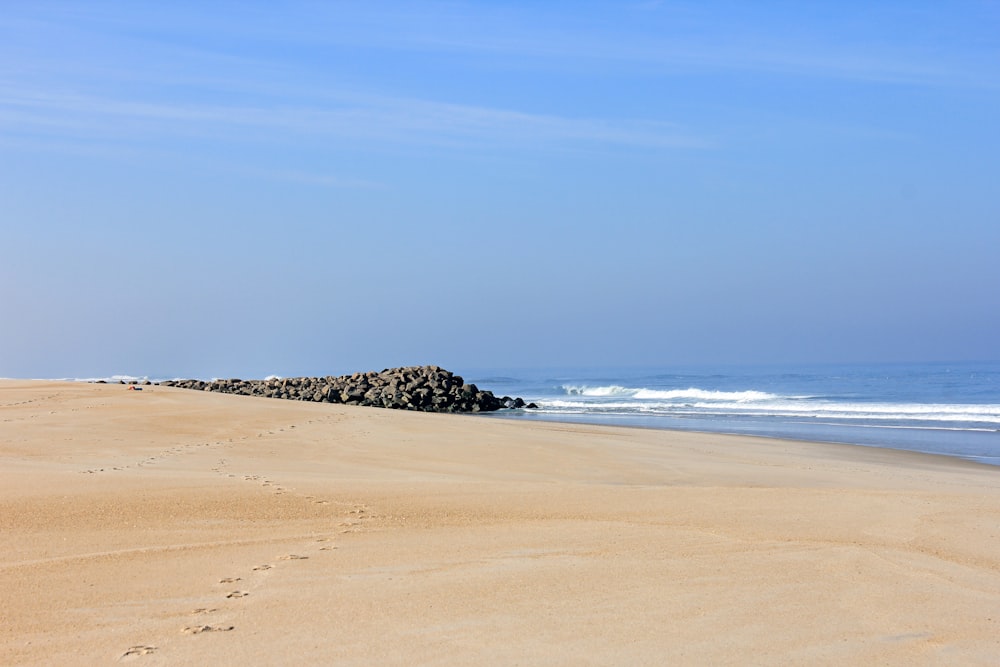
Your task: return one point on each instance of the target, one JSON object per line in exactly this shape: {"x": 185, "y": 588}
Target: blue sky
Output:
{"x": 240, "y": 188}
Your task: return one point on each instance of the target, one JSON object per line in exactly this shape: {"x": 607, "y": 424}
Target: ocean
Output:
{"x": 941, "y": 408}
{"x": 951, "y": 409}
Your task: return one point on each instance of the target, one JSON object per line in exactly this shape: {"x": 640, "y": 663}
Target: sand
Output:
{"x": 172, "y": 527}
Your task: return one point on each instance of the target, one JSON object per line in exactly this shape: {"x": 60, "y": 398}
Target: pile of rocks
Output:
{"x": 425, "y": 388}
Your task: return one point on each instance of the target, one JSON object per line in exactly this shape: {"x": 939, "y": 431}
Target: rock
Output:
{"x": 426, "y": 388}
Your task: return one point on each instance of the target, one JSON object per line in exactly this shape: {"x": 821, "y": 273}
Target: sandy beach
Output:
{"x": 174, "y": 527}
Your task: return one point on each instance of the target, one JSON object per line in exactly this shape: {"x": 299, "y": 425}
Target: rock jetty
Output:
{"x": 424, "y": 388}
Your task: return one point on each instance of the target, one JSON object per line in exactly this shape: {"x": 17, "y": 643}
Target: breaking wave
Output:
{"x": 691, "y": 393}
{"x": 693, "y": 401}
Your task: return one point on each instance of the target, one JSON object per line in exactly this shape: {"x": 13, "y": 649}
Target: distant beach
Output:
{"x": 170, "y": 526}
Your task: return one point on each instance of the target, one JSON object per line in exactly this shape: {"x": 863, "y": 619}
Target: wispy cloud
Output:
{"x": 275, "y": 75}
{"x": 678, "y": 37}
{"x": 685, "y": 37}
{"x": 345, "y": 117}
{"x": 774, "y": 55}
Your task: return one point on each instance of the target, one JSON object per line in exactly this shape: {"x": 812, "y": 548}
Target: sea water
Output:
{"x": 941, "y": 408}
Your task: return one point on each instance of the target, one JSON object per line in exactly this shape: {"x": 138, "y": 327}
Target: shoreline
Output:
{"x": 979, "y": 460}
{"x": 635, "y": 421}
{"x": 177, "y": 527}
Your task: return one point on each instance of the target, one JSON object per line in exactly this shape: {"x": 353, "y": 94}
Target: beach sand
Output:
{"x": 173, "y": 527}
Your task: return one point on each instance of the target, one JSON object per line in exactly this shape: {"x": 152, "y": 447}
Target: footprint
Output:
{"x": 238, "y": 594}
{"x": 229, "y": 580}
{"x": 204, "y": 610}
{"x": 262, "y": 567}
{"x": 198, "y": 629}
{"x": 293, "y": 557}
{"x": 136, "y": 651}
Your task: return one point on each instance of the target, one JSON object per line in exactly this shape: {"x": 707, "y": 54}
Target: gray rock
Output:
{"x": 427, "y": 388}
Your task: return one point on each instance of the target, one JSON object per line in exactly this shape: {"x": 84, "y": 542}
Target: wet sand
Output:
{"x": 173, "y": 527}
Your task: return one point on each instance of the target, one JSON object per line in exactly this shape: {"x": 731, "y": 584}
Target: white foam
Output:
{"x": 705, "y": 395}
{"x": 699, "y": 402}
{"x": 870, "y": 411}
{"x": 691, "y": 393}
{"x": 613, "y": 390}
{"x": 583, "y": 405}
